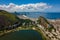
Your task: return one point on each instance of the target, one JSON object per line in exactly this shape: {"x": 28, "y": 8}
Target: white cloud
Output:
{"x": 25, "y": 7}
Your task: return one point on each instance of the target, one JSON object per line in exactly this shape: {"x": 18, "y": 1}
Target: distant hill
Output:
{"x": 21, "y": 13}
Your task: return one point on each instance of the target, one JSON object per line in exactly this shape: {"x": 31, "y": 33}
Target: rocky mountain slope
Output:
{"x": 45, "y": 23}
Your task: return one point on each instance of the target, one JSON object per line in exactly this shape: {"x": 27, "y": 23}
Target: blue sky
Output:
{"x": 54, "y": 3}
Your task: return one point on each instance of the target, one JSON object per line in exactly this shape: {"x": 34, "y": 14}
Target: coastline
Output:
{"x": 20, "y": 28}
{"x": 28, "y": 28}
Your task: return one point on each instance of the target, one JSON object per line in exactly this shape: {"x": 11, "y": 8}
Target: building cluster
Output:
{"x": 55, "y": 33}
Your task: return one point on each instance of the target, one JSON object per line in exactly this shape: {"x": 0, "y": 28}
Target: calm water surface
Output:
{"x": 49, "y": 15}
{"x": 22, "y": 35}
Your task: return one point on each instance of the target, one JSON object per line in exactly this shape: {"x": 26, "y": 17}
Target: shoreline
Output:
{"x": 20, "y": 28}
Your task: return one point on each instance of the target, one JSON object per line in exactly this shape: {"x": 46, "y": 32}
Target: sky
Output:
{"x": 30, "y": 5}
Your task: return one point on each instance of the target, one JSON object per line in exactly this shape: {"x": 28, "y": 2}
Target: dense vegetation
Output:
{"x": 28, "y": 23}
{"x": 7, "y": 19}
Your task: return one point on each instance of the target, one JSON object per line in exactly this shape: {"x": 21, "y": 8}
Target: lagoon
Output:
{"x": 22, "y": 35}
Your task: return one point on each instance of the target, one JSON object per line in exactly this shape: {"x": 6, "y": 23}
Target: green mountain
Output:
{"x": 7, "y": 19}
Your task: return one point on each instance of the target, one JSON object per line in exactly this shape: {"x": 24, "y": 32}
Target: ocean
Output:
{"x": 49, "y": 15}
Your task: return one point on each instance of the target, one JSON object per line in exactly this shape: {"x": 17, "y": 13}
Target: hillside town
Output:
{"x": 53, "y": 33}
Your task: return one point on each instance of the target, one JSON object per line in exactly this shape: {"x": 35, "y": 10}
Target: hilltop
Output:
{"x": 7, "y": 19}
